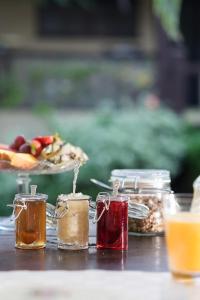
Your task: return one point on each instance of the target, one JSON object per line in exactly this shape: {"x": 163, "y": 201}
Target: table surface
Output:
{"x": 144, "y": 254}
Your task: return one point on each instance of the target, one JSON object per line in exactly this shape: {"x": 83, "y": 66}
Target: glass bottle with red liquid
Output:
{"x": 112, "y": 221}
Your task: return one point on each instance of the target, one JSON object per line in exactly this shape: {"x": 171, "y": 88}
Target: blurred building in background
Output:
{"x": 90, "y": 27}
{"x": 33, "y": 32}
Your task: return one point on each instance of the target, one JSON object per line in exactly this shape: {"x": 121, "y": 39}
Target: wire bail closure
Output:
{"x": 23, "y": 205}
{"x": 14, "y": 206}
{"x": 105, "y": 198}
{"x": 116, "y": 186}
{"x": 133, "y": 180}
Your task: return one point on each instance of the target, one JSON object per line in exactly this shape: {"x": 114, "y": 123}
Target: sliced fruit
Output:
{"x": 6, "y": 154}
{"x": 36, "y": 148}
{"x": 5, "y": 147}
{"x": 53, "y": 149}
{"x": 25, "y": 148}
{"x": 23, "y": 161}
{"x": 19, "y": 140}
{"x": 45, "y": 140}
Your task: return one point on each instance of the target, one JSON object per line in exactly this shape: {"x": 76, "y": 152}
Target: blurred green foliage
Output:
{"x": 139, "y": 136}
{"x": 11, "y": 91}
{"x": 73, "y": 71}
{"x": 168, "y": 12}
{"x": 193, "y": 151}
{"x": 136, "y": 137}
{"x": 74, "y": 83}
{"x": 8, "y": 189}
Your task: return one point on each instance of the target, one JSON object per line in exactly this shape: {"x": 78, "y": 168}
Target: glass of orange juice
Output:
{"x": 182, "y": 229}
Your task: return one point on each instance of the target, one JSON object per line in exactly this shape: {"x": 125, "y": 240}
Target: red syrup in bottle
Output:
{"x": 112, "y": 225}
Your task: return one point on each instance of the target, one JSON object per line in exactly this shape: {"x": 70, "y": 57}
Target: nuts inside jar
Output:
{"x": 154, "y": 223}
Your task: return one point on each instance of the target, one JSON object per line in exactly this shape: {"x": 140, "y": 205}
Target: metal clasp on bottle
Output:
{"x": 104, "y": 198}
{"x": 134, "y": 180}
{"x": 15, "y": 205}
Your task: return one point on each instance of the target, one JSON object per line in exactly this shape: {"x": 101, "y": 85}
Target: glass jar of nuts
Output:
{"x": 147, "y": 187}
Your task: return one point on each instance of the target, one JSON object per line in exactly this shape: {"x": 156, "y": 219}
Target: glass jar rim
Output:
{"x": 118, "y": 198}
{"x": 141, "y": 174}
{"x": 70, "y": 197}
{"x": 29, "y": 197}
{"x": 141, "y": 178}
{"x": 146, "y": 191}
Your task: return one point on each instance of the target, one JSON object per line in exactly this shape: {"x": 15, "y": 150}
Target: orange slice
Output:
{"x": 23, "y": 161}
{"x": 6, "y": 154}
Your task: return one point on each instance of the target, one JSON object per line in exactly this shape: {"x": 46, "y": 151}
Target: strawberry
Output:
{"x": 18, "y": 142}
{"x": 45, "y": 140}
{"x": 36, "y": 147}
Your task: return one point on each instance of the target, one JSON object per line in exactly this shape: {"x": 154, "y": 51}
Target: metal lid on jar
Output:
{"x": 141, "y": 178}
{"x": 73, "y": 197}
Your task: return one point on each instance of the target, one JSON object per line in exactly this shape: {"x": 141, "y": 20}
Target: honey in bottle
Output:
{"x": 30, "y": 220}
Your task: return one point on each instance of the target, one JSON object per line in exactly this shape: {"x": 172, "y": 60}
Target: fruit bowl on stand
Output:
{"x": 43, "y": 155}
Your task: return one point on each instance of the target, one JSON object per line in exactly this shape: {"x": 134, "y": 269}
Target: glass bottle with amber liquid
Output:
{"x": 30, "y": 220}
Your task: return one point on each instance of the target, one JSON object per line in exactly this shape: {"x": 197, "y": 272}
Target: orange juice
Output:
{"x": 183, "y": 243}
